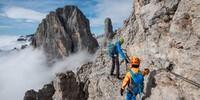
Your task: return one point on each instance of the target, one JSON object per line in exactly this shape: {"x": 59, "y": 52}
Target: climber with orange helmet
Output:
{"x": 114, "y": 50}
{"x": 134, "y": 79}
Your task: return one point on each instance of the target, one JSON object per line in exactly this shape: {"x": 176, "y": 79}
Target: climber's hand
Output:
{"x": 121, "y": 62}
{"x": 146, "y": 71}
{"x": 121, "y": 91}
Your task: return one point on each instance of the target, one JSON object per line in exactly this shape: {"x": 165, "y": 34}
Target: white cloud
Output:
{"x": 27, "y": 69}
{"x": 72, "y": 62}
{"x": 117, "y": 10}
{"x": 9, "y": 42}
{"x": 21, "y": 71}
{"x": 28, "y": 15}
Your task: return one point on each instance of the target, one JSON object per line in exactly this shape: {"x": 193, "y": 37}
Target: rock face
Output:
{"x": 164, "y": 32}
{"x": 63, "y": 32}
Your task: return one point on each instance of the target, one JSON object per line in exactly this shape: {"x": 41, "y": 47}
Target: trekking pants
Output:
{"x": 130, "y": 96}
{"x": 115, "y": 61}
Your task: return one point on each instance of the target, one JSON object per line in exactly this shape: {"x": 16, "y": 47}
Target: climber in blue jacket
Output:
{"x": 115, "y": 56}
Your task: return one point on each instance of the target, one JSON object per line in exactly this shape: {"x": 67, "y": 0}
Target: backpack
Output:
{"x": 136, "y": 86}
{"x": 111, "y": 49}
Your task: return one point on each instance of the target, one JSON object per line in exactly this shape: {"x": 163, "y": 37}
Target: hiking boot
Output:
{"x": 111, "y": 74}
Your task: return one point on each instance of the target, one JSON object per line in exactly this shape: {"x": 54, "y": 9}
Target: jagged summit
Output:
{"x": 63, "y": 32}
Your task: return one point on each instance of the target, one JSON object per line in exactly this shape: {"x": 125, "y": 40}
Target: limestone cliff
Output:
{"x": 163, "y": 32}
{"x": 63, "y": 32}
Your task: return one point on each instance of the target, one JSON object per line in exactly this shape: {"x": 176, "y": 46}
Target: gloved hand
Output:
{"x": 146, "y": 71}
{"x": 121, "y": 91}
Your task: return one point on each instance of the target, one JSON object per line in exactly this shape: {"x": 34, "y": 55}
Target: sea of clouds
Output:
{"x": 22, "y": 70}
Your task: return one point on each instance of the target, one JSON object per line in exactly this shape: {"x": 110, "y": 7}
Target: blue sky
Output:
{"x": 20, "y": 17}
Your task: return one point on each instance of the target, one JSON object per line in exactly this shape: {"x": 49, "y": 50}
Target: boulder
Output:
{"x": 67, "y": 87}
{"x": 45, "y": 93}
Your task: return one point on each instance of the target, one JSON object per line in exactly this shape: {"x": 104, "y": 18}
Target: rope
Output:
{"x": 170, "y": 68}
{"x": 186, "y": 80}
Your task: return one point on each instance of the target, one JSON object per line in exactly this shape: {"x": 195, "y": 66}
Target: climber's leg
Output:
{"x": 113, "y": 66}
{"x": 117, "y": 66}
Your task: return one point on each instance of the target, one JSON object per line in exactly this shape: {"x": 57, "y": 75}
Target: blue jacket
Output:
{"x": 118, "y": 50}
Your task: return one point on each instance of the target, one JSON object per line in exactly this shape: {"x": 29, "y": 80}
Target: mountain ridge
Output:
{"x": 63, "y": 32}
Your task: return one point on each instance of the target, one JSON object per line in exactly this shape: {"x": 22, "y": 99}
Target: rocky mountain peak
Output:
{"x": 63, "y": 32}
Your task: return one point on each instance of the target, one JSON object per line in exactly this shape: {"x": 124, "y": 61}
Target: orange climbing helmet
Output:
{"x": 135, "y": 60}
